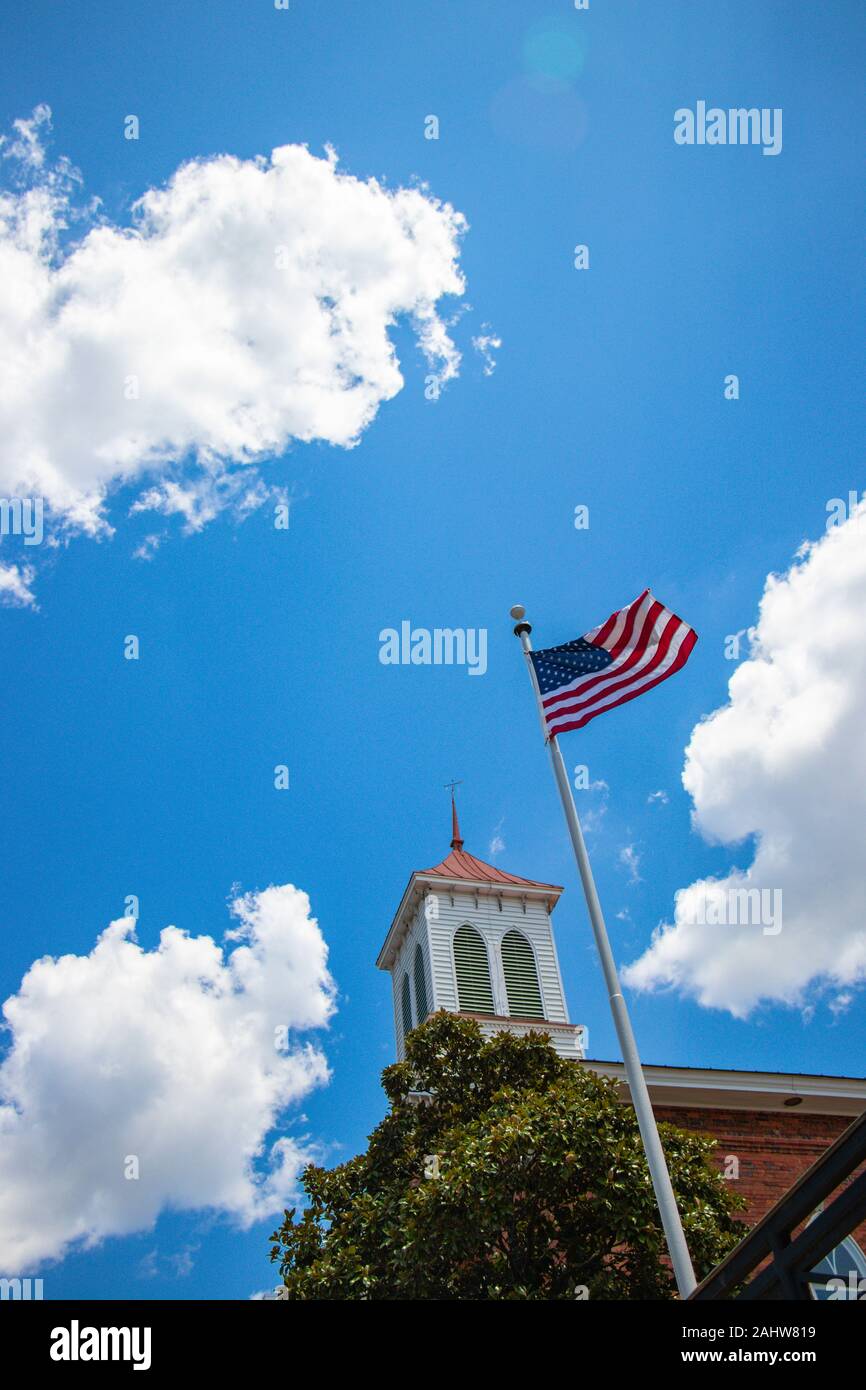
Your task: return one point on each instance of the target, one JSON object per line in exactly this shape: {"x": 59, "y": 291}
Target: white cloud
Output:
{"x": 841, "y": 1004}
{"x": 182, "y": 1261}
{"x": 15, "y": 581}
{"x": 783, "y": 761}
{"x": 248, "y": 306}
{"x": 171, "y": 1055}
{"x": 486, "y": 343}
{"x": 497, "y": 843}
{"x": 27, "y": 147}
{"x": 594, "y": 803}
{"x": 176, "y": 1266}
{"x": 630, "y": 859}
{"x": 148, "y": 548}
{"x": 659, "y": 798}
{"x": 199, "y": 500}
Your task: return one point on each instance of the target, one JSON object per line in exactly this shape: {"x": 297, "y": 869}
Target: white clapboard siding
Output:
{"x": 405, "y": 965}
{"x": 519, "y": 974}
{"x": 485, "y": 915}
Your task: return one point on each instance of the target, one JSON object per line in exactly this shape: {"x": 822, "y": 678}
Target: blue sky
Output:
{"x": 260, "y": 647}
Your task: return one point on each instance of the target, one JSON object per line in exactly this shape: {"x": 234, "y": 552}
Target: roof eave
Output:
{"x": 550, "y": 893}
{"x": 729, "y": 1088}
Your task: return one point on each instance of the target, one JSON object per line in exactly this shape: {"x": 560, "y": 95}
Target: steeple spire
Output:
{"x": 456, "y": 841}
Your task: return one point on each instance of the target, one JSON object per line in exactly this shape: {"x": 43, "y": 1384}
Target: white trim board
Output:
{"x": 711, "y": 1088}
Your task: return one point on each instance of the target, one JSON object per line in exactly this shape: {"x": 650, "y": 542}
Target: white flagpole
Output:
{"x": 673, "y": 1229}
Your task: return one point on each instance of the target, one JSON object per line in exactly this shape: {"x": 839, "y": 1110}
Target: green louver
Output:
{"x": 473, "y": 972}
{"x": 406, "y": 1002}
{"x": 521, "y": 977}
{"x": 421, "y": 1006}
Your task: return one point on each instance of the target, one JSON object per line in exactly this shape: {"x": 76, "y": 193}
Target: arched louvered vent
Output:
{"x": 521, "y": 977}
{"x": 421, "y": 1006}
{"x": 473, "y": 971}
{"x": 406, "y": 1002}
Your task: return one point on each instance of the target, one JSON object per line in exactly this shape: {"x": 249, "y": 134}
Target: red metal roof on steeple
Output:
{"x": 459, "y": 864}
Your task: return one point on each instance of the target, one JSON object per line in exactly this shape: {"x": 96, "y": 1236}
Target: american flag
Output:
{"x": 630, "y": 653}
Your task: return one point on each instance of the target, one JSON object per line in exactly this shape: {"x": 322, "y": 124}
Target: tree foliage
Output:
{"x": 543, "y": 1189}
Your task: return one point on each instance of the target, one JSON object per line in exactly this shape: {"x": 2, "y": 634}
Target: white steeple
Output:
{"x": 479, "y": 942}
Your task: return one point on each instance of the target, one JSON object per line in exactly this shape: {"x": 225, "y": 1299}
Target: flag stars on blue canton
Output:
{"x": 557, "y": 666}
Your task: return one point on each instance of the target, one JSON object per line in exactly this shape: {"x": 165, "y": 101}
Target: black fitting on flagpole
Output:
{"x": 519, "y": 612}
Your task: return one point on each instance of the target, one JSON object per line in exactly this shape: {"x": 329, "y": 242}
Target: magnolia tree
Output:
{"x": 500, "y": 1172}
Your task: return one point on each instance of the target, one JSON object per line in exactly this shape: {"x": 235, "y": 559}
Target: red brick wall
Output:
{"x": 773, "y": 1147}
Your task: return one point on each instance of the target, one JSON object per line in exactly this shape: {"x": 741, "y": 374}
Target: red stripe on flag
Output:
{"x": 640, "y": 649}
{"x": 681, "y": 658}
{"x": 607, "y": 628}
{"x": 672, "y": 627}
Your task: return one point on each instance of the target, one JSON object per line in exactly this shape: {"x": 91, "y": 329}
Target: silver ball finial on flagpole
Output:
{"x": 519, "y": 612}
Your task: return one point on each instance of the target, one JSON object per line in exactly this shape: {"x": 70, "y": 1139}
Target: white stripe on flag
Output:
{"x": 639, "y": 638}
{"x": 608, "y": 699}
